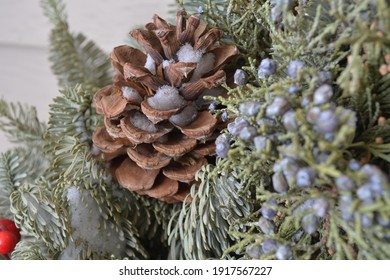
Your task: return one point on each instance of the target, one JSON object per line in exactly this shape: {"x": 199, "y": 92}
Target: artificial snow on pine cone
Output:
{"x": 157, "y": 130}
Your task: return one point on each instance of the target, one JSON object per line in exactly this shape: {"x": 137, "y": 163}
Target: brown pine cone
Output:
{"x": 158, "y": 131}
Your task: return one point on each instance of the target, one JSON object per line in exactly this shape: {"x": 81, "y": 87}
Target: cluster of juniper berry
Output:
{"x": 327, "y": 126}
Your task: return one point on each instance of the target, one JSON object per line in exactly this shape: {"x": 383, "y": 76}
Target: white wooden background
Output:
{"x": 24, "y": 68}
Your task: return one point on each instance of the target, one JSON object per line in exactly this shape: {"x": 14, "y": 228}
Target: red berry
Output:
{"x": 7, "y": 242}
{"x": 6, "y": 224}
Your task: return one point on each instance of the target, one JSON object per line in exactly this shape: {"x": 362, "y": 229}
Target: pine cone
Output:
{"x": 158, "y": 132}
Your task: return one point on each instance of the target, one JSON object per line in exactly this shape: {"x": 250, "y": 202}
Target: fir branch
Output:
{"x": 72, "y": 115}
{"x": 17, "y": 167}
{"x": 74, "y": 58}
{"x": 21, "y": 124}
{"x": 200, "y": 236}
{"x": 203, "y": 226}
{"x": 176, "y": 247}
{"x": 71, "y": 122}
{"x": 9, "y": 166}
{"x": 73, "y": 160}
{"x": 30, "y": 248}
{"x": 37, "y": 215}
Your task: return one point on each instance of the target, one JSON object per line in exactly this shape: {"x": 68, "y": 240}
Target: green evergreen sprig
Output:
{"x": 32, "y": 249}
{"x": 320, "y": 37}
{"x": 72, "y": 120}
{"x": 35, "y": 212}
{"x": 11, "y": 175}
{"x": 203, "y": 226}
{"x": 75, "y": 60}
{"x": 20, "y": 124}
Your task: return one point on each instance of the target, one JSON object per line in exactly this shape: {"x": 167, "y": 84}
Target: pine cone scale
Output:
{"x": 104, "y": 92}
{"x": 114, "y": 104}
{"x": 150, "y": 43}
{"x": 176, "y": 147}
{"x": 135, "y": 73}
{"x": 205, "y": 149}
{"x": 191, "y": 26}
{"x": 192, "y": 91}
{"x": 139, "y": 136}
{"x": 200, "y": 31}
{"x": 166, "y": 33}
{"x": 207, "y": 41}
{"x": 184, "y": 173}
{"x": 202, "y": 127}
{"x": 223, "y": 55}
{"x": 113, "y": 128}
{"x": 104, "y": 142}
{"x": 155, "y": 115}
{"x": 163, "y": 188}
{"x": 133, "y": 177}
{"x": 180, "y": 72}
{"x": 122, "y": 54}
{"x": 145, "y": 156}
{"x": 180, "y": 23}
